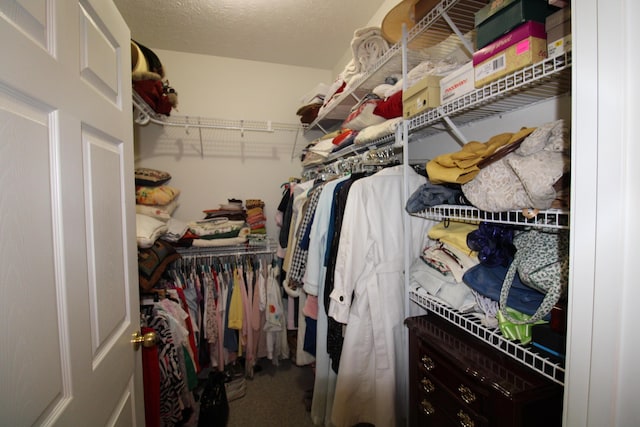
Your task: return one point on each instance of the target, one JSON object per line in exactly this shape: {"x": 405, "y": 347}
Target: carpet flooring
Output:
{"x": 275, "y": 397}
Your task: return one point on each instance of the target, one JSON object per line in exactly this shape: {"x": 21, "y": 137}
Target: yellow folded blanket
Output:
{"x": 461, "y": 166}
{"x": 454, "y": 234}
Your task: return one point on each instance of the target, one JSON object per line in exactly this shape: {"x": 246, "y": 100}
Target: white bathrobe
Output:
{"x": 369, "y": 268}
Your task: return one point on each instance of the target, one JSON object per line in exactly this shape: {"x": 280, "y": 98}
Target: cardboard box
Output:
{"x": 423, "y": 95}
{"x": 559, "y": 46}
{"x": 528, "y": 29}
{"x": 559, "y": 17}
{"x": 558, "y": 24}
{"x": 501, "y": 16}
{"x": 524, "y": 52}
{"x": 457, "y": 83}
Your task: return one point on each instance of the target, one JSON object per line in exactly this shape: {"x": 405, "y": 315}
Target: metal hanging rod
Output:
{"x": 266, "y": 247}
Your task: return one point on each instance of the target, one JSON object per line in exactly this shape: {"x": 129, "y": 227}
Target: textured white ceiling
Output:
{"x": 308, "y": 33}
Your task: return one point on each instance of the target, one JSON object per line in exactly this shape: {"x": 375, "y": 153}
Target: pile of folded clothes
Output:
{"x": 220, "y": 227}
{"x": 256, "y": 219}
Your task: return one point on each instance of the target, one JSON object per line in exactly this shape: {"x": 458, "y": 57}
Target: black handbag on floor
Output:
{"x": 214, "y": 406}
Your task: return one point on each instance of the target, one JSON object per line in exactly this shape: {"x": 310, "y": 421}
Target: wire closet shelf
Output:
{"x": 145, "y": 114}
{"x": 551, "y": 369}
{"x": 549, "y": 219}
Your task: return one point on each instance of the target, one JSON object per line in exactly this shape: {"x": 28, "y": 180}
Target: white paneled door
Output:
{"x": 68, "y": 264}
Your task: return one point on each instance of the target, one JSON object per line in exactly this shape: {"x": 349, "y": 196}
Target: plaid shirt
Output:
{"x": 299, "y": 259}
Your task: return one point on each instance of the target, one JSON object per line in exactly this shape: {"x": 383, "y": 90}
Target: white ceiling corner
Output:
{"x": 303, "y": 33}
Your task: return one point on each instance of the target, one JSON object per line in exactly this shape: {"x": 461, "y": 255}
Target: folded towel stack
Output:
{"x": 255, "y": 216}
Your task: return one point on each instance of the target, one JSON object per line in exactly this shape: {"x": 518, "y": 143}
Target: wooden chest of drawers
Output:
{"x": 457, "y": 380}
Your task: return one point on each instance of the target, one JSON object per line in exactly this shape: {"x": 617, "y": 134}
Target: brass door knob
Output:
{"x": 147, "y": 340}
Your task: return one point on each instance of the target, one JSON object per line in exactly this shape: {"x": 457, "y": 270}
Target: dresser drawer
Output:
{"x": 434, "y": 398}
{"x": 426, "y": 413}
{"x": 457, "y": 380}
{"x": 435, "y": 371}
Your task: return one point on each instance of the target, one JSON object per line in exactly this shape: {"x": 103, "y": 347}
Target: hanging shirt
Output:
{"x": 324, "y": 384}
{"x": 235, "y": 306}
{"x": 300, "y": 251}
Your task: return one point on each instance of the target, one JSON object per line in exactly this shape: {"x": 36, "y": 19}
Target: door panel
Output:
{"x": 68, "y": 263}
{"x": 98, "y": 54}
{"x": 107, "y": 281}
{"x": 124, "y": 410}
{"x": 31, "y": 273}
{"x": 30, "y": 17}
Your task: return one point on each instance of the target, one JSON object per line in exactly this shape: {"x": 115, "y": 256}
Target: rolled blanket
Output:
{"x": 368, "y": 46}
{"x": 374, "y": 132}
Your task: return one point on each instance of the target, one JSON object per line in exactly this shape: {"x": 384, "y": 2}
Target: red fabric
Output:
{"x": 256, "y": 218}
{"x": 192, "y": 340}
{"x": 344, "y": 135}
{"x": 337, "y": 92}
{"x": 391, "y": 107}
{"x": 152, "y": 93}
{"x": 190, "y": 235}
{"x": 151, "y": 382}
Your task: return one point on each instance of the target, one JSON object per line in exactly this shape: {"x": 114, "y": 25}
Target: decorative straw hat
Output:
{"x": 402, "y": 13}
{"x": 410, "y": 13}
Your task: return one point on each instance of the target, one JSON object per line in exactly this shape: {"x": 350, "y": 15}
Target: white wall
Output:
{"x": 226, "y": 164}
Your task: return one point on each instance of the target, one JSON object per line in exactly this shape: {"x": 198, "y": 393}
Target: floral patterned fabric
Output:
{"x": 160, "y": 195}
{"x": 151, "y": 177}
{"x": 525, "y": 178}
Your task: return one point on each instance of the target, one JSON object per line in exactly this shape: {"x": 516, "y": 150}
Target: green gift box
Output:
{"x": 501, "y": 16}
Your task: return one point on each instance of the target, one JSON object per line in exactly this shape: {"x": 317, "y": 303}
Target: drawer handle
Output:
{"x": 427, "y": 362}
{"x": 427, "y": 407}
{"x": 465, "y": 419}
{"x": 427, "y": 385}
{"x": 466, "y": 394}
